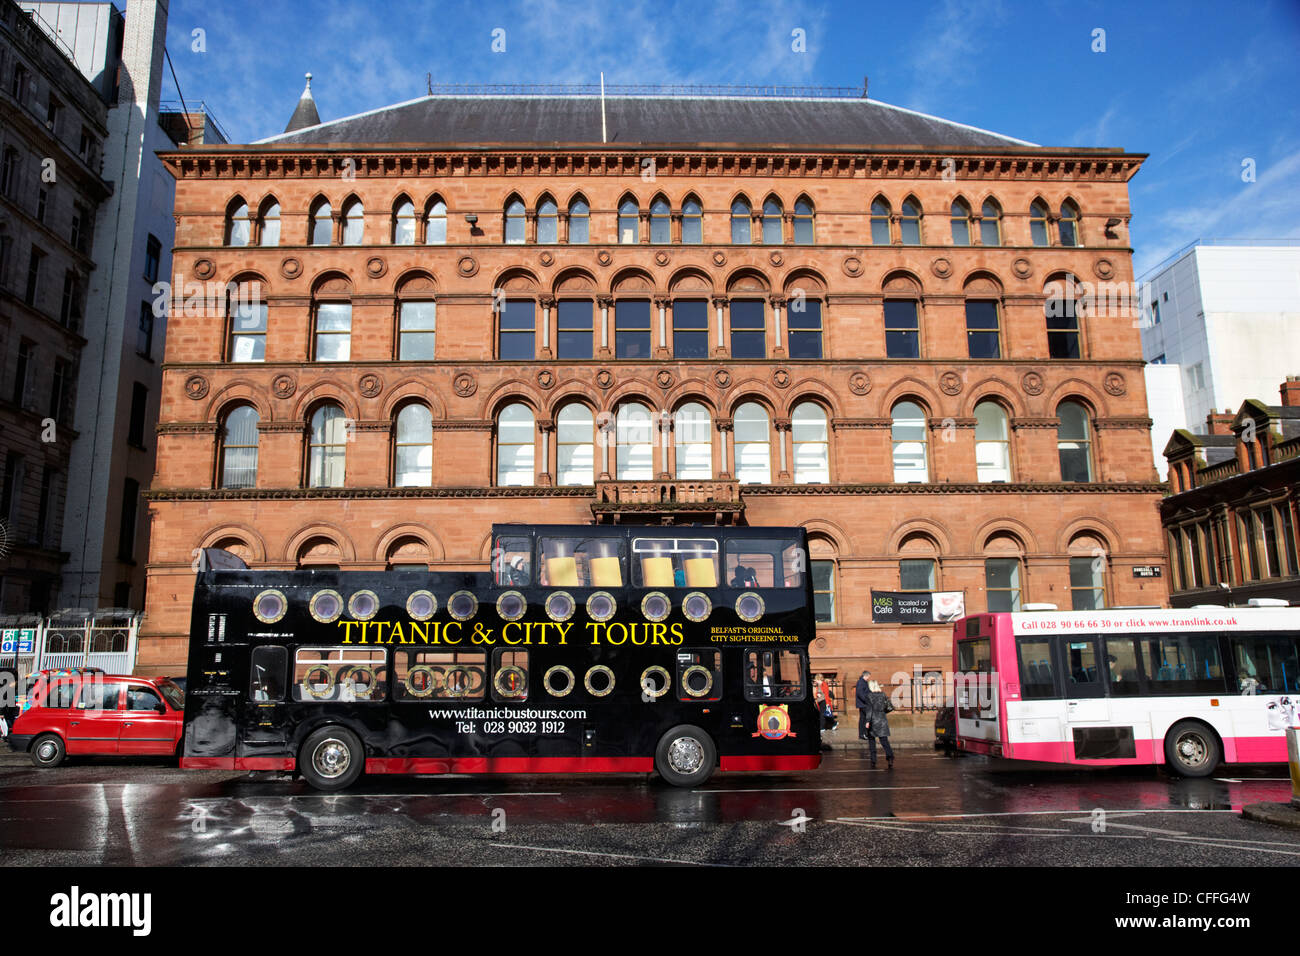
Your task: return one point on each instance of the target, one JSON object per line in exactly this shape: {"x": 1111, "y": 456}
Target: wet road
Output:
{"x": 930, "y": 810}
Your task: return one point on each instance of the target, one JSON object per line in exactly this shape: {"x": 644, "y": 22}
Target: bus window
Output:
{"x": 676, "y": 562}
{"x": 440, "y": 675}
{"x": 511, "y": 561}
{"x": 1081, "y": 672}
{"x": 342, "y": 674}
{"x": 765, "y": 563}
{"x": 580, "y": 562}
{"x": 1037, "y": 673}
{"x": 773, "y": 675}
{"x": 1122, "y": 666}
{"x": 510, "y": 675}
{"x": 974, "y": 657}
{"x": 1183, "y": 664}
{"x": 1266, "y": 663}
{"x": 266, "y": 673}
{"x": 699, "y": 675}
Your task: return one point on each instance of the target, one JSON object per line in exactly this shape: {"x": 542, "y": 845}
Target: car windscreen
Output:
{"x": 175, "y": 697}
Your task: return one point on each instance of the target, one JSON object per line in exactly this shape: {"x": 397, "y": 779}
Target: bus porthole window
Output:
{"x": 421, "y": 681}
{"x": 364, "y": 688}
{"x": 548, "y": 681}
{"x": 656, "y": 606}
{"x": 322, "y": 688}
{"x": 601, "y": 606}
{"x": 599, "y": 680}
{"x": 512, "y": 606}
{"x": 462, "y": 605}
{"x": 697, "y": 606}
{"x": 363, "y": 605}
{"x": 270, "y": 606}
{"x": 326, "y": 606}
{"x": 652, "y": 689}
{"x": 456, "y": 682}
{"x": 421, "y": 605}
{"x": 560, "y": 606}
{"x": 697, "y": 680}
{"x": 749, "y": 606}
{"x": 511, "y": 681}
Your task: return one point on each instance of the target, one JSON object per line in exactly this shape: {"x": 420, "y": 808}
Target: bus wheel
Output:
{"x": 1192, "y": 749}
{"x": 686, "y": 756}
{"x": 48, "y": 751}
{"x": 331, "y": 759}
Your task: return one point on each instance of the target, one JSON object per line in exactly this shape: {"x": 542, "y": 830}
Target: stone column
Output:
{"x": 725, "y": 427}
{"x": 547, "y": 303}
{"x": 661, "y": 350}
{"x": 545, "y": 427}
{"x": 604, "y": 301}
{"x": 720, "y": 349}
{"x": 783, "y": 436}
{"x": 778, "y": 349}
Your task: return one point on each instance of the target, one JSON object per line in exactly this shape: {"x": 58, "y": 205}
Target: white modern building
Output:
{"x": 1227, "y": 313}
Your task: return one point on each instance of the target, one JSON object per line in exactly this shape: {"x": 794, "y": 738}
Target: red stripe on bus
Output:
{"x": 207, "y": 763}
{"x": 265, "y": 763}
{"x": 803, "y": 762}
{"x": 436, "y": 765}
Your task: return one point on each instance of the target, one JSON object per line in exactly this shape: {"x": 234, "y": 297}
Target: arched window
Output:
{"x": 773, "y": 233}
{"x": 1088, "y": 561}
{"x": 270, "y": 224}
{"x": 753, "y": 445}
{"x": 821, "y": 563}
{"x": 354, "y": 223}
{"x": 1038, "y": 224}
{"x": 1069, "y": 225}
{"x": 548, "y": 221}
{"x": 239, "y": 448}
{"x": 329, "y": 436}
{"x": 238, "y": 226}
{"x": 992, "y": 443}
{"x": 740, "y": 221}
{"x": 435, "y": 224}
{"x": 880, "y": 213}
{"x": 990, "y": 224}
{"x": 322, "y": 224}
{"x": 1073, "y": 442}
{"x": 808, "y": 432}
{"x": 918, "y": 564}
{"x": 633, "y": 442}
{"x": 692, "y": 222}
{"x": 910, "y": 224}
{"x": 661, "y": 231}
{"x": 1061, "y": 311}
{"x": 693, "y": 438}
{"x": 579, "y": 222}
{"x": 960, "y": 223}
{"x": 575, "y": 446}
{"x": 515, "y": 446}
{"x": 629, "y": 222}
{"x": 1002, "y": 582}
{"x": 404, "y": 224}
{"x": 803, "y": 222}
{"x": 515, "y": 222}
{"x": 909, "y": 439}
{"x": 413, "y": 448}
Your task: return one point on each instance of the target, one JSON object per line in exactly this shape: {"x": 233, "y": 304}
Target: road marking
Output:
{"x": 1209, "y": 842}
{"x": 1107, "y": 825}
{"x": 915, "y": 817}
{"x": 1253, "y": 779}
{"x": 812, "y": 789}
{"x": 618, "y": 856}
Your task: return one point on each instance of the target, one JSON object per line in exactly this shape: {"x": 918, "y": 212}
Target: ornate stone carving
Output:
{"x": 370, "y": 384}
{"x": 546, "y": 258}
{"x": 604, "y": 378}
{"x": 662, "y": 257}
{"x": 1104, "y": 269}
{"x": 851, "y": 266}
{"x": 781, "y": 377}
{"x": 291, "y": 267}
{"x": 1022, "y": 268}
{"x": 1114, "y": 384}
{"x": 776, "y": 259}
{"x": 941, "y": 267}
{"x": 721, "y": 378}
{"x": 467, "y": 266}
{"x": 464, "y": 385}
{"x": 950, "y": 382}
{"x": 604, "y": 257}
{"x": 196, "y": 386}
{"x": 859, "y": 382}
{"x": 719, "y": 258}
{"x": 665, "y": 378}
{"x": 376, "y": 267}
{"x": 283, "y": 386}
{"x": 204, "y": 268}
{"x": 924, "y": 640}
{"x": 546, "y": 379}
{"x": 1032, "y": 383}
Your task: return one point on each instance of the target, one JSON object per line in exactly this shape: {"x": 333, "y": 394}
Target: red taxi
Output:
{"x": 85, "y": 712}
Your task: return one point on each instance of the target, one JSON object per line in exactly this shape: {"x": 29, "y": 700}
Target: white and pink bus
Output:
{"x": 1188, "y": 688}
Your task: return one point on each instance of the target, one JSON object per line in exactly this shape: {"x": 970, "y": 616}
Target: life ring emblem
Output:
{"x": 502, "y": 680}
{"x": 774, "y": 722}
{"x": 310, "y": 688}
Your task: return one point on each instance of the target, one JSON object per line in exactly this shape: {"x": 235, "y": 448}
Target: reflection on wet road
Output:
{"x": 931, "y": 809}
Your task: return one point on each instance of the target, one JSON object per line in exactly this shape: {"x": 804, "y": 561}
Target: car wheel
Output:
{"x": 686, "y": 756}
{"x": 48, "y": 750}
{"x": 1192, "y": 749}
{"x": 331, "y": 759}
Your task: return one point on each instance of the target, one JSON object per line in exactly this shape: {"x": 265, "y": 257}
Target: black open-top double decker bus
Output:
{"x": 584, "y": 649}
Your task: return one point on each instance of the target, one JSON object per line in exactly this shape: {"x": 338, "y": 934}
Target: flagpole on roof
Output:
{"x": 603, "y": 137}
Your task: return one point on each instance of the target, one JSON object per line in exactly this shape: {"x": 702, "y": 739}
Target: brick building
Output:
{"x": 813, "y": 311}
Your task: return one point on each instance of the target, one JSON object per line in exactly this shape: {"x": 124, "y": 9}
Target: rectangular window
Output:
{"x": 690, "y": 329}
{"x": 699, "y": 676}
{"x": 23, "y": 372}
{"x": 248, "y": 331}
{"x": 417, "y": 331}
{"x": 804, "y": 318}
{"x": 1037, "y": 672}
{"x": 1155, "y": 313}
{"x": 266, "y": 674}
{"x": 880, "y": 230}
{"x": 632, "y": 329}
{"x": 1002, "y": 584}
{"x": 59, "y": 389}
{"x": 42, "y": 201}
{"x": 9, "y": 173}
{"x": 748, "y": 329}
{"x": 518, "y": 327}
{"x": 763, "y": 563}
{"x": 573, "y": 339}
{"x": 1062, "y": 329}
{"x": 1288, "y": 537}
{"x": 126, "y": 531}
{"x": 1183, "y": 664}
{"x": 1087, "y": 586}
{"x": 578, "y": 562}
{"x": 509, "y": 675}
{"x": 773, "y": 675}
{"x": 339, "y": 674}
{"x": 1122, "y": 666}
{"x": 1268, "y": 531}
{"x": 1249, "y": 544}
{"x": 33, "y": 276}
{"x": 916, "y": 574}
{"x": 455, "y": 676}
{"x": 139, "y": 402}
{"x": 67, "y": 303}
{"x": 823, "y": 576}
{"x": 333, "y": 332}
{"x": 12, "y": 490}
{"x": 144, "y": 332}
{"x": 152, "y": 258}
{"x": 902, "y": 329}
{"x": 1265, "y": 663}
{"x": 982, "y": 330}
{"x": 675, "y": 562}
{"x": 1082, "y": 673}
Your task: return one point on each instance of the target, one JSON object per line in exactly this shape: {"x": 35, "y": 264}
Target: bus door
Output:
{"x": 1086, "y": 706}
{"x": 265, "y": 722}
{"x": 976, "y": 690}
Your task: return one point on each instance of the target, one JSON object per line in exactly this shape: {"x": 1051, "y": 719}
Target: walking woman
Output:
{"x": 878, "y": 723}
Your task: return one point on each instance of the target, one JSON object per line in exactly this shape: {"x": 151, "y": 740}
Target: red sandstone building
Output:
{"x": 811, "y": 311}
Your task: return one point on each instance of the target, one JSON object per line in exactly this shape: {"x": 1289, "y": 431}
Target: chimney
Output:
{"x": 1291, "y": 392}
{"x": 1217, "y": 423}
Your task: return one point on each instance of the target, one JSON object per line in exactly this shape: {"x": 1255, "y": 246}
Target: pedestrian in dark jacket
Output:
{"x": 863, "y": 701}
{"x": 878, "y": 725}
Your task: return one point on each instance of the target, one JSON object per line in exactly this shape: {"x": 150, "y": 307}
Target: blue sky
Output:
{"x": 1200, "y": 87}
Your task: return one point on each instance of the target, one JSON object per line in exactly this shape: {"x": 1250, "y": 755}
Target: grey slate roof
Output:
{"x": 658, "y": 120}
{"x": 305, "y": 114}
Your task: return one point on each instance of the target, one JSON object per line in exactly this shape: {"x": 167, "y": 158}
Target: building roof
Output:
{"x": 649, "y": 119}
{"x": 305, "y": 114}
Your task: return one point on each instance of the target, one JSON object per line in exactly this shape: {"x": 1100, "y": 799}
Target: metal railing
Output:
{"x": 106, "y": 639}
